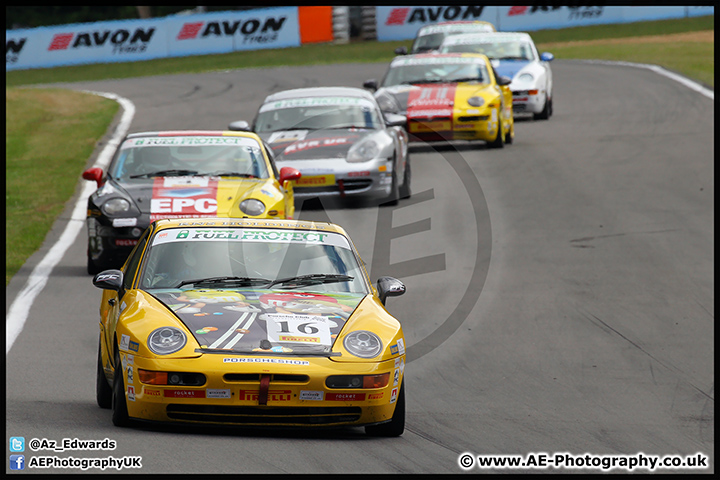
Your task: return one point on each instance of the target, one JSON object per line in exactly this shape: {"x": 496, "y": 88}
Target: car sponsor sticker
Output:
{"x": 131, "y": 393}
{"x": 436, "y": 60}
{"x": 179, "y": 197}
{"x": 275, "y": 361}
{"x": 184, "y": 393}
{"x": 316, "y": 101}
{"x": 315, "y": 181}
{"x": 300, "y": 146}
{"x": 124, "y": 342}
{"x": 151, "y": 392}
{"x": 134, "y": 346}
{"x": 287, "y": 136}
{"x": 427, "y": 127}
{"x": 396, "y": 377}
{"x": 124, "y": 222}
{"x": 218, "y": 393}
{"x": 345, "y": 397}
{"x": 130, "y": 376}
{"x": 273, "y": 395}
{"x": 253, "y": 234}
{"x": 393, "y": 395}
{"x": 401, "y": 346}
{"x": 125, "y": 242}
{"x": 312, "y": 395}
{"x": 185, "y": 141}
{"x": 376, "y": 396}
{"x": 312, "y": 329}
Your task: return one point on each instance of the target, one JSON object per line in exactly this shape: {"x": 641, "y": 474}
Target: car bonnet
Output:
{"x": 240, "y": 319}
{"x": 310, "y": 144}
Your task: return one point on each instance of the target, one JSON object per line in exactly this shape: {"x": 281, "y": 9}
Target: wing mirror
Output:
{"x": 239, "y": 126}
{"x": 503, "y": 80}
{"x": 370, "y": 84}
{"x": 389, "y": 287}
{"x": 289, "y": 174}
{"x": 401, "y": 51}
{"x": 109, "y": 280}
{"x": 546, "y": 56}
{"x": 95, "y": 174}
{"x": 395, "y": 120}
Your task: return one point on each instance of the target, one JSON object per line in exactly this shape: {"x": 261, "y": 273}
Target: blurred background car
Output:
{"x": 430, "y": 37}
{"x": 180, "y": 174}
{"x": 339, "y": 140}
{"x": 454, "y": 96}
{"x": 514, "y": 55}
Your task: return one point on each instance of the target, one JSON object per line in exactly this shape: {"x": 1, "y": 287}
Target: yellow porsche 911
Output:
{"x": 249, "y": 322}
{"x": 449, "y": 96}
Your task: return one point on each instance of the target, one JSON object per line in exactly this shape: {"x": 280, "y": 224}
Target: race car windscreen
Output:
{"x": 318, "y": 113}
{"x": 508, "y": 50}
{"x": 256, "y": 258}
{"x": 428, "y": 70}
{"x": 148, "y": 157}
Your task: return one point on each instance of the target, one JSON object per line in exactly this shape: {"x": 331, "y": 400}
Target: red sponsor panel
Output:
{"x": 183, "y": 197}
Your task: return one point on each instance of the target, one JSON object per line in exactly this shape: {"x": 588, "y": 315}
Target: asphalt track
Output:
{"x": 560, "y": 291}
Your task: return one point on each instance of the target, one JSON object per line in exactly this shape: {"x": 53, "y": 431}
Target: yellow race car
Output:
{"x": 249, "y": 322}
{"x": 449, "y": 96}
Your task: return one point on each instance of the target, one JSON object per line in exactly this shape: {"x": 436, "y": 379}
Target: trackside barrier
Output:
{"x": 172, "y": 36}
{"x": 403, "y": 22}
{"x": 279, "y": 27}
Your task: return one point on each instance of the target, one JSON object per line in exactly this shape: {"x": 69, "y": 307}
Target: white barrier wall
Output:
{"x": 133, "y": 40}
{"x": 223, "y": 32}
{"x": 403, "y": 22}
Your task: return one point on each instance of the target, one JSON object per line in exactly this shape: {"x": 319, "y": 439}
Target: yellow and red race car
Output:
{"x": 181, "y": 174}
{"x": 451, "y": 96}
{"x": 249, "y": 322}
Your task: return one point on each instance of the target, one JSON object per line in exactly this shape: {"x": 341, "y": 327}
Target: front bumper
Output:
{"x": 296, "y": 395}
{"x": 110, "y": 246}
{"x": 525, "y": 102}
{"x": 473, "y": 126}
{"x": 336, "y": 178}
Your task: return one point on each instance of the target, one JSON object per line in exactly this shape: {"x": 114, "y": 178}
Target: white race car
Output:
{"x": 513, "y": 54}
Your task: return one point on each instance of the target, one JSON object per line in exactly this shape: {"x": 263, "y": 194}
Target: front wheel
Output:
{"x": 120, "y": 416}
{"x": 546, "y": 111}
{"x": 499, "y": 141}
{"x": 103, "y": 391}
{"x": 396, "y": 426}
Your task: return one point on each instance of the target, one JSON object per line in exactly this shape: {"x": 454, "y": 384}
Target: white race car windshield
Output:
{"x": 266, "y": 255}
{"x": 145, "y": 157}
{"x": 317, "y": 113}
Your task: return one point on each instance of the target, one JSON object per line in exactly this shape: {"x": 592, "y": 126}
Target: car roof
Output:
{"x": 452, "y": 23}
{"x": 464, "y": 37}
{"x": 250, "y": 222}
{"x": 437, "y": 56}
{"x": 320, "y": 92}
{"x": 194, "y": 133}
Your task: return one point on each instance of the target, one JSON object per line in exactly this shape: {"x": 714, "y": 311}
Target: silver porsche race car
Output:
{"x": 340, "y": 141}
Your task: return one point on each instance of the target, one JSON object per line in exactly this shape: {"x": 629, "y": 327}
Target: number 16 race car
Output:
{"x": 248, "y": 322}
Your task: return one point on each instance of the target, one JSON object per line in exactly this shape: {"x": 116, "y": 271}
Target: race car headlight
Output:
{"x": 252, "y": 206}
{"x": 115, "y": 206}
{"x": 476, "y": 101}
{"x": 387, "y": 103}
{"x": 166, "y": 340}
{"x": 526, "y": 77}
{"x": 363, "y": 344}
{"x": 363, "y": 151}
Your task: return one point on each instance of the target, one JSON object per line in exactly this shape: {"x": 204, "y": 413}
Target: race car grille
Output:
{"x": 429, "y": 119}
{"x": 251, "y": 415}
{"x": 473, "y": 118}
{"x": 348, "y": 186}
{"x": 255, "y": 377}
{"x": 519, "y": 108}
